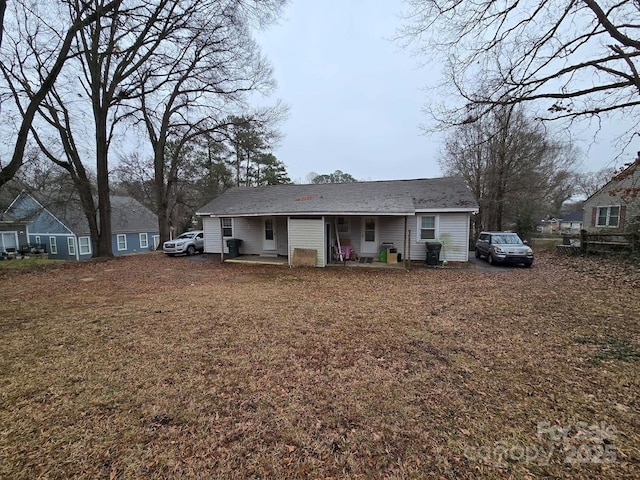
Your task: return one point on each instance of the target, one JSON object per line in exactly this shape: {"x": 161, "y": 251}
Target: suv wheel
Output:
{"x": 528, "y": 264}
{"x": 478, "y": 253}
{"x": 191, "y": 250}
{"x": 490, "y": 259}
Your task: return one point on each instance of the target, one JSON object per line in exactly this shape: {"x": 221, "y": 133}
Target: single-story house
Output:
{"x": 549, "y": 226}
{"x": 616, "y": 206}
{"x": 274, "y": 220}
{"x": 62, "y": 229}
{"x": 571, "y": 222}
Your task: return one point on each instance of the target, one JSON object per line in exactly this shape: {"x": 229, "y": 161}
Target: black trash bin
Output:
{"x": 234, "y": 247}
{"x": 433, "y": 253}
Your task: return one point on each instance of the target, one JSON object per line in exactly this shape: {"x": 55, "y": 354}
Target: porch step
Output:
{"x": 269, "y": 255}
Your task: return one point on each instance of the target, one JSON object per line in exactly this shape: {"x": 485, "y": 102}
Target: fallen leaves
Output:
{"x": 166, "y": 367}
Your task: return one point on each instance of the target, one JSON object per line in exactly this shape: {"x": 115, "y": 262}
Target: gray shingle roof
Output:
{"x": 573, "y": 217}
{"x": 127, "y": 215}
{"x": 390, "y": 197}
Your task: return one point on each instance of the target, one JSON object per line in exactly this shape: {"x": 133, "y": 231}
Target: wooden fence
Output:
{"x": 608, "y": 242}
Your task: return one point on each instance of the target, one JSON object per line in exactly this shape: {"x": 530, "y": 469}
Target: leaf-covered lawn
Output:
{"x": 153, "y": 367}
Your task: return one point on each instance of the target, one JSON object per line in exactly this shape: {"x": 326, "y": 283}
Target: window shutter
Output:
{"x": 623, "y": 211}
{"x": 594, "y": 212}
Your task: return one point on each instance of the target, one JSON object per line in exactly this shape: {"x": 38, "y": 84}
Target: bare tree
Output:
{"x": 514, "y": 168}
{"x": 580, "y": 57}
{"x": 28, "y": 99}
{"x": 178, "y": 67}
{"x": 588, "y": 183}
{"x": 204, "y": 75}
{"x": 113, "y": 52}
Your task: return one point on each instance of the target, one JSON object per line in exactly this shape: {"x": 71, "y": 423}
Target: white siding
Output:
{"x": 281, "y": 235}
{"x": 453, "y": 233}
{"x": 307, "y": 233}
{"x": 247, "y": 229}
{"x": 391, "y": 230}
{"x": 211, "y": 228}
{"x": 452, "y": 230}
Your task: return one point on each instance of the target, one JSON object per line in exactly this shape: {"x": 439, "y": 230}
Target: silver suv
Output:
{"x": 188, "y": 242}
{"x": 503, "y": 247}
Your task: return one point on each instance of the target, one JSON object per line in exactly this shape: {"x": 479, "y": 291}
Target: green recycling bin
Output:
{"x": 433, "y": 253}
{"x": 234, "y": 247}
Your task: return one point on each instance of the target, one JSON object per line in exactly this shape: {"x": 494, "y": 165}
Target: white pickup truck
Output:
{"x": 188, "y": 242}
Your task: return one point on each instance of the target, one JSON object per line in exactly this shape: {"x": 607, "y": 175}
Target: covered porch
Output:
{"x": 284, "y": 261}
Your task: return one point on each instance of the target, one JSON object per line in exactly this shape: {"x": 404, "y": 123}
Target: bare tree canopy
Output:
{"x": 47, "y": 75}
{"x": 177, "y": 68}
{"x": 579, "y": 57}
{"x": 516, "y": 171}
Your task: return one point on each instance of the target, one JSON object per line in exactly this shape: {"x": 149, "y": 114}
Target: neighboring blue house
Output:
{"x": 64, "y": 232}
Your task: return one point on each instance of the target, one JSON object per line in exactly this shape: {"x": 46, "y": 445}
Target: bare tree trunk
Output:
{"x": 3, "y": 8}
{"x": 104, "y": 200}
{"x": 162, "y": 190}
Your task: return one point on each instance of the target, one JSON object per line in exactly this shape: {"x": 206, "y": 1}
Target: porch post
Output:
{"x": 221, "y": 241}
{"x": 404, "y": 246}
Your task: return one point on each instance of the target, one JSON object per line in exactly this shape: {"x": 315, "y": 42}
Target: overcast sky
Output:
{"x": 356, "y": 97}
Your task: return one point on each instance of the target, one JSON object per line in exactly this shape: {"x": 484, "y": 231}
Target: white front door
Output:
{"x": 369, "y": 239}
{"x": 268, "y": 234}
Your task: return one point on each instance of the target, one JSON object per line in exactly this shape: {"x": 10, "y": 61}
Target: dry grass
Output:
{"x": 32, "y": 263}
{"x": 152, "y": 367}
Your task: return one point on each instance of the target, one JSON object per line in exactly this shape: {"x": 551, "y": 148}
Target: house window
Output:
{"x": 227, "y": 227}
{"x": 122, "y": 242}
{"x": 144, "y": 240}
{"x": 343, "y": 225}
{"x": 53, "y": 246}
{"x": 71, "y": 246}
{"x": 268, "y": 229}
{"x": 369, "y": 229}
{"x": 427, "y": 227}
{"x": 608, "y": 216}
{"x": 84, "y": 245}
